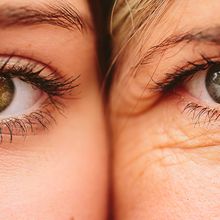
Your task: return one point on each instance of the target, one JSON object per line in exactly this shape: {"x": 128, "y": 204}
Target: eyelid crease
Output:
{"x": 53, "y": 84}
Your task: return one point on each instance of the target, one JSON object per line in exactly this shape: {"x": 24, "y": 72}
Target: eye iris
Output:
{"x": 7, "y": 91}
{"x": 213, "y": 83}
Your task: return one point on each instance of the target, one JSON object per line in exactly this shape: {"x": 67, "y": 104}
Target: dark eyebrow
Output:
{"x": 63, "y": 15}
{"x": 210, "y": 35}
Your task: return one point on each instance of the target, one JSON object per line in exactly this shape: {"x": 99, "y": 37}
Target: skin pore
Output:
{"x": 53, "y": 152}
{"x": 165, "y": 124}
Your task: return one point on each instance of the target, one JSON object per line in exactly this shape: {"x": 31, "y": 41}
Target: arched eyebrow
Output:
{"x": 210, "y": 35}
{"x": 62, "y": 15}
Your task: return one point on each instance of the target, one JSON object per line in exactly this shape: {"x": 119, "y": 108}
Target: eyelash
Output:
{"x": 55, "y": 86}
{"x": 199, "y": 114}
{"x": 202, "y": 115}
{"x": 182, "y": 74}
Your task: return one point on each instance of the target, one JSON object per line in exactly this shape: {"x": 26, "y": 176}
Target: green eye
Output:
{"x": 7, "y": 92}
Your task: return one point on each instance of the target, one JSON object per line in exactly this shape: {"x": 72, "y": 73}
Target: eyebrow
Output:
{"x": 62, "y": 15}
{"x": 210, "y": 35}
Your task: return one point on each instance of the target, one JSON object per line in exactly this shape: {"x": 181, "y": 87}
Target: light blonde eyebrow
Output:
{"x": 209, "y": 35}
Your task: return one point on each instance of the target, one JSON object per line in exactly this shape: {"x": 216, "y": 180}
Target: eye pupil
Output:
{"x": 7, "y": 92}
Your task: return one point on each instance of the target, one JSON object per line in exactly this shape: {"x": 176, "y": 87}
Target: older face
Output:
{"x": 53, "y": 150}
{"x": 165, "y": 116}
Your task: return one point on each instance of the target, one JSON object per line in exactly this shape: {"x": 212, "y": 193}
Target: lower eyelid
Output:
{"x": 31, "y": 124}
{"x": 197, "y": 113}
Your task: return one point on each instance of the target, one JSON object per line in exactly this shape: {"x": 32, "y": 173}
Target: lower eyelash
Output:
{"x": 28, "y": 124}
{"x": 201, "y": 115}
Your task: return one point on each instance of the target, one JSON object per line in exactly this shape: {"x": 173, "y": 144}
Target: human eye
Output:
{"x": 197, "y": 84}
{"x": 30, "y": 93}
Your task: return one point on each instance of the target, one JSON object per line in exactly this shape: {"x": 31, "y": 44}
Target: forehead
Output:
{"x": 81, "y": 5}
{"x": 181, "y": 17}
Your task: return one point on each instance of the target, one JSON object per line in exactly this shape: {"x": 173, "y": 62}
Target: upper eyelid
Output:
{"x": 61, "y": 83}
{"x": 49, "y": 65}
{"x": 182, "y": 73}
{"x": 203, "y": 36}
{"x": 208, "y": 35}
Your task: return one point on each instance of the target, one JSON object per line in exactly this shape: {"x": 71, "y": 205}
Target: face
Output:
{"x": 53, "y": 148}
{"x": 165, "y": 116}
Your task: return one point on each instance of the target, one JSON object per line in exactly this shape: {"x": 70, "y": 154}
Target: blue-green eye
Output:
{"x": 213, "y": 83}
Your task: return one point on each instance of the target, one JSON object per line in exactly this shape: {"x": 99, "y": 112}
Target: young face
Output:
{"x": 165, "y": 116}
{"x": 53, "y": 147}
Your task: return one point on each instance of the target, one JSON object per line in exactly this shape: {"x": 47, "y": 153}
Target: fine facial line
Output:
{"x": 60, "y": 15}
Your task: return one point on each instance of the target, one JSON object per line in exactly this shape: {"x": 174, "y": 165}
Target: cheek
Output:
{"x": 60, "y": 175}
{"x": 165, "y": 185}
{"x": 56, "y": 185}
{"x": 167, "y": 182}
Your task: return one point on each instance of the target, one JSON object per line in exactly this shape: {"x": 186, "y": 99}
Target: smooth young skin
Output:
{"x": 59, "y": 174}
{"x": 166, "y": 164}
